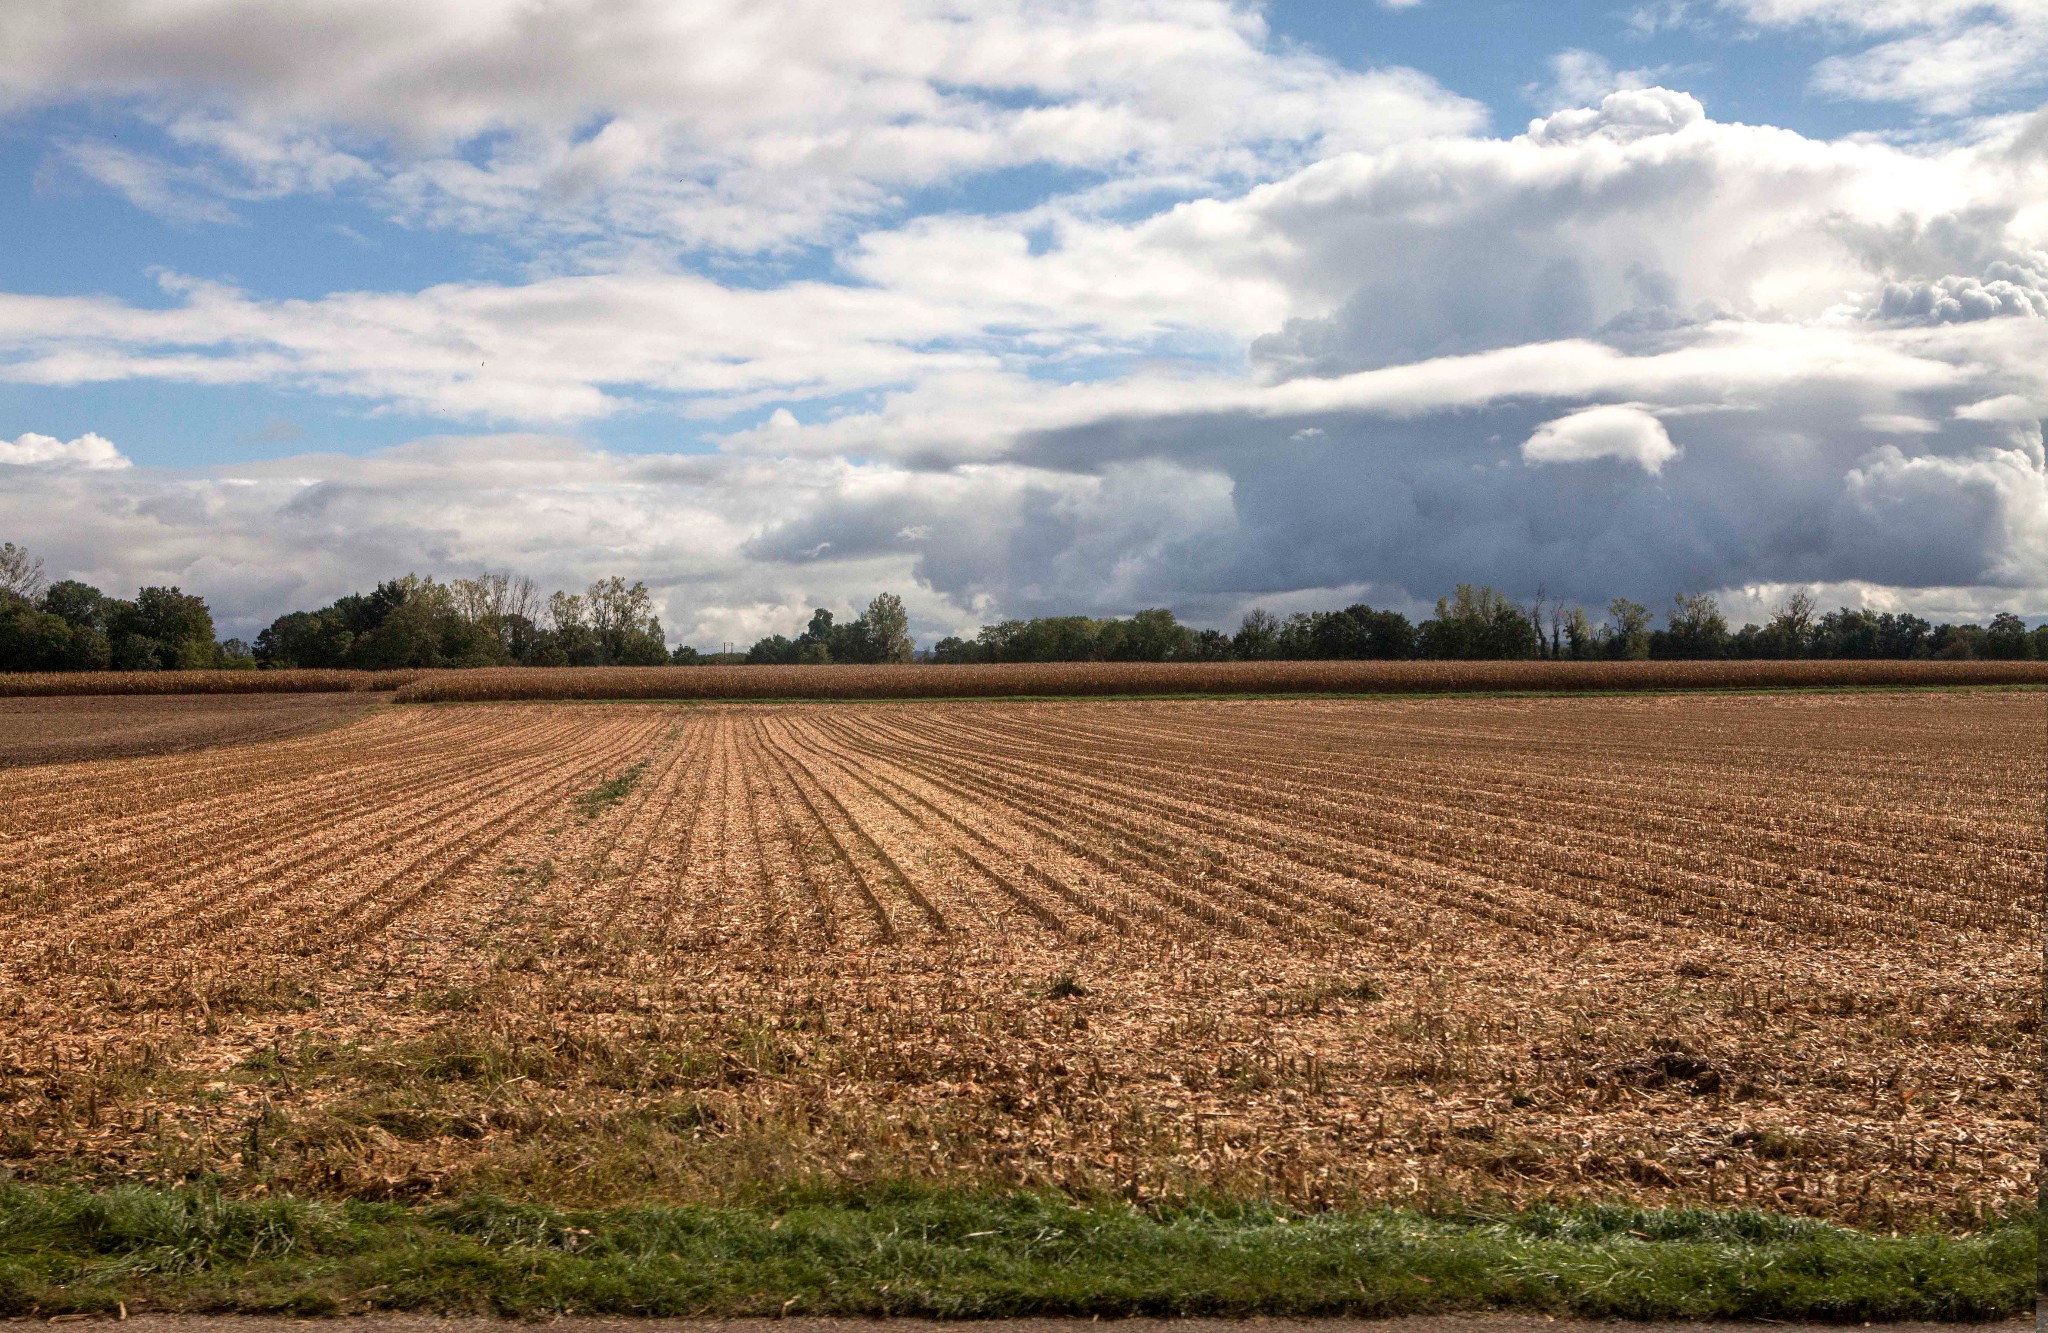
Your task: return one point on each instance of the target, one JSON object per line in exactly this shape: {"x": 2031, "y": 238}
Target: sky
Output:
{"x": 1020, "y": 309}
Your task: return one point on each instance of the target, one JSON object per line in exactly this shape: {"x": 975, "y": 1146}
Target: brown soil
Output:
{"x": 61, "y": 730}
{"x": 1773, "y": 950}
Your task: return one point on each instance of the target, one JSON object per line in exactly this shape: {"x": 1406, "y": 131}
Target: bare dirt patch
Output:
{"x": 54, "y": 730}
{"x": 1779, "y": 951}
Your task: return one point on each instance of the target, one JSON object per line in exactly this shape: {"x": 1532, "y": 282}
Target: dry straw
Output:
{"x": 28, "y": 684}
{"x": 1040, "y": 679}
{"x": 1145, "y": 678}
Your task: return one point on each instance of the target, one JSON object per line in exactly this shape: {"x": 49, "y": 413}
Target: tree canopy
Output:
{"x": 504, "y": 620}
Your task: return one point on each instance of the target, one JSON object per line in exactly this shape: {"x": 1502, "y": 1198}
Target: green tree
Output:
{"x": 1696, "y": 627}
{"x": 163, "y": 629}
{"x": 83, "y": 609}
{"x": 623, "y": 624}
{"x": 888, "y": 629}
{"x": 1628, "y": 630}
{"x": 1902, "y": 635}
{"x": 1258, "y": 636}
{"x": 954, "y": 649}
{"x": 504, "y": 607}
{"x": 1790, "y": 632}
{"x": 1151, "y": 635}
{"x": 774, "y": 650}
{"x": 305, "y": 639}
{"x": 1581, "y": 640}
{"x": 81, "y": 604}
{"x": 1478, "y": 622}
{"x": 1847, "y": 633}
{"x": 36, "y": 640}
{"x": 1958, "y": 643}
{"x": 2006, "y": 637}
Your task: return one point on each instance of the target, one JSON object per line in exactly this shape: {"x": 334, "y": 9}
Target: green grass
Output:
{"x": 953, "y": 1254}
{"x": 610, "y": 792}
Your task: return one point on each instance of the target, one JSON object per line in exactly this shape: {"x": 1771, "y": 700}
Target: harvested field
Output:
{"x": 1770, "y": 949}
{"x": 49, "y": 730}
{"x": 1023, "y": 679}
{"x": 42, "y": 684}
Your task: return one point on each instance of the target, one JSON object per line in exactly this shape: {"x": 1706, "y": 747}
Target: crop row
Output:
{"x": 1320, "y": 949}
{"x": 1316, "y": 821}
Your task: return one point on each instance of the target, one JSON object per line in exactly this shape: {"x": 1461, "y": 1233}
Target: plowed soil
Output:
{"x": 1780, "y": 950}
{"x": 60, "y": 730}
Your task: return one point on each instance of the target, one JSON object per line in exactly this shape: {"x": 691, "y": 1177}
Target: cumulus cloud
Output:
{"x": 1992, "y": 503}
{"x": 1624, "y": 223}
{"x": 1579, "y": 78}
{"x": 87, "y": 451}
{"x": 1621, "y": 431}
{"x": 2004, "y": 289}
{"x": 733, "y": 124}
{"x": 1350, "y": 355}
{"x": 1623, "y": 117}
{"x": 260, "y": 538}
{"x": 1108, "y": 497}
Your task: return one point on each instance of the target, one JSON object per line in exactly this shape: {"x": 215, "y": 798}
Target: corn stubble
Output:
{"x": 1775, "y": 950}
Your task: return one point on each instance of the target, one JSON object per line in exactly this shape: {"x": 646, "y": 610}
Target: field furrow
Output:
{"x": 1777, "y": 950}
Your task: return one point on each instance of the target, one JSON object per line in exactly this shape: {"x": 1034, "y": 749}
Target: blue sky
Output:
{"x": 1023, "y": 307}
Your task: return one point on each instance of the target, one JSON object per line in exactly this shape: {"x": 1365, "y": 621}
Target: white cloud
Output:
{"x": 2006, "y": 407}
{"x": 1315, "y": 371}
{"x": 153, "y": 186}
{"x": 1111, "y": 496}
{"x": 1621, "y": 224}
{"x": 87, "y": 451}
{"x": 540, "y": 352}
{"x": 1618, "y": 431}
{"x": 1579, "y": 77}
{"x": 1945, "y": 57}
{"x": 1624, "y": 117}
{"x": 726, "y": 544}
{"x": 2004, "y": 289}
{"x": 1899, "y": 423}
{"x": 732, "y": 124}
{"x": 2003, "y": 491}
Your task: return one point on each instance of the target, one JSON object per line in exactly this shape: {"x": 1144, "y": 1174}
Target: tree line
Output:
{"x": 73, "y": 626}
{"x": 1480, "y": 623}
{"x": 490, "y": 620}
{"x": 504, "y": 620}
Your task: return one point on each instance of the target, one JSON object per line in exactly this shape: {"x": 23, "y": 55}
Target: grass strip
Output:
{"x": 953, "y": 1254}
{"x": 610, "y": 792}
